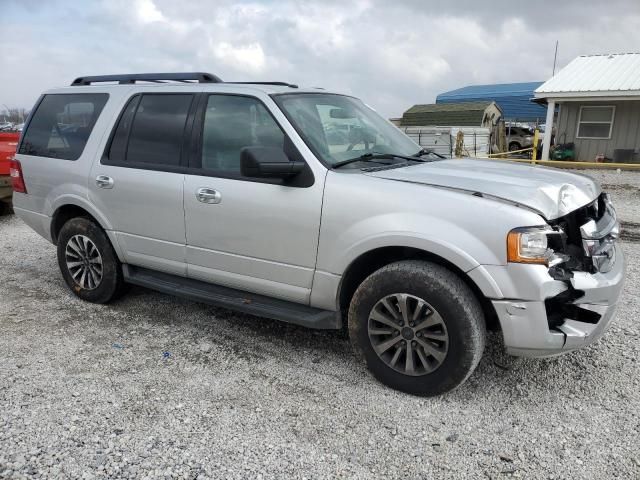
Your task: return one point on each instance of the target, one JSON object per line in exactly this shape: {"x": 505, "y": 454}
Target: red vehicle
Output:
{"x": 8, "y": 144}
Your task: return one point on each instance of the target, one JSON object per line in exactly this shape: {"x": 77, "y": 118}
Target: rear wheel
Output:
{"x": 418, "y": 326}
{"x": 88, "y": 262}
{"x": 5, "y": 208}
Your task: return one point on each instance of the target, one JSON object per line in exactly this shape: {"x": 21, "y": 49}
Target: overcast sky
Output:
{"x": 392, "y": 54}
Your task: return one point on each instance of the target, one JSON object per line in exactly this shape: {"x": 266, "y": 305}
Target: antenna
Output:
{"x": 555, "y": 57}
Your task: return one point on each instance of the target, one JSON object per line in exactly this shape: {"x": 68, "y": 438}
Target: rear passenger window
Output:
{"x": 118, "y": 150}
{"x": 151, "y": 130}
{"x": 231, "y": 123}
{"x": 61, "y": 125}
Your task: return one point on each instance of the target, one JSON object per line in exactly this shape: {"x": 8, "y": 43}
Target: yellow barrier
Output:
{"x": 533, "y": 149}
{"x": 573, "y": 164}
{"x": 511, "y": 152}
{"x": 559, "y": 163}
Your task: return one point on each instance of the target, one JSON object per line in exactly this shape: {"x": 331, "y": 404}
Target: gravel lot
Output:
{"x": 153, "y": 386}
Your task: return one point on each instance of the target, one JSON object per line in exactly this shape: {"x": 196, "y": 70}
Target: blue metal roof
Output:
{"x": 514, "y": 99}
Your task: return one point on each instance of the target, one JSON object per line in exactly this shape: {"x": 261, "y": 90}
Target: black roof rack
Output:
{"x": 184, "y": 77}
{"x": 131, "y": 78}
{"x": 284, "y": 84}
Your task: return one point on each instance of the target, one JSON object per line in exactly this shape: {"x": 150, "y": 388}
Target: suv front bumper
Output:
{"x": 525, "y": 324}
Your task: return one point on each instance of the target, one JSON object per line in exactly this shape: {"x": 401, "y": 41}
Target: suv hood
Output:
{"x": 550, "y": 192}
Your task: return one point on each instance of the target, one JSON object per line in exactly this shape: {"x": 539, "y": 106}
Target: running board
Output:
{"x": 232, "y": 299}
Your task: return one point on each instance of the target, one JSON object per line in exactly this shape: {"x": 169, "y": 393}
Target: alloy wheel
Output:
{"x": 408, "y": 334}
{"x": 84, "y": 262}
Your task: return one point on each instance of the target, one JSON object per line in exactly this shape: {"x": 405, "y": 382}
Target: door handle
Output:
{"x": 208, "y": 195}
{"x": 104, "y": 181}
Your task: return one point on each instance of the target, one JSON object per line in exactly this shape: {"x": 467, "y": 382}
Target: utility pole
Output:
{"x": 555, "y": 57}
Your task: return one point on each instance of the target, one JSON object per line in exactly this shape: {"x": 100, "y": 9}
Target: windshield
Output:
{"x": 338, "y": 128}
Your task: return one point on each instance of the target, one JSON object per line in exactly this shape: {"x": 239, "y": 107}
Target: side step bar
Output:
{"x": 232, "y": 299}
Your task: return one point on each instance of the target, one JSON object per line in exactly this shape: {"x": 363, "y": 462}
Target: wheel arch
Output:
{"x": 65, "y": 213}
{"x": 63, "y": 205}
{"x": 72, "y": 209}
{"x": 367, "y": 263}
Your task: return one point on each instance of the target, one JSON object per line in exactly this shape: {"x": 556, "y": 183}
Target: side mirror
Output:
{"x": 268, "y": 162}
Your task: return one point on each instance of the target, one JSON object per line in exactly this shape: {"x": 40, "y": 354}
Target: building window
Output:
{"x": 596, "y": 122}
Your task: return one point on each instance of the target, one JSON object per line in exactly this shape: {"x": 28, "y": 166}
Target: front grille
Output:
{"x": 599, "y": 236}
{"x": 591, "y": 232}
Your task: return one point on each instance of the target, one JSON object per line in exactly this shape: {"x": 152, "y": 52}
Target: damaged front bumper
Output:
{"x": 570, "y": 304}
{"x": 569, "y": 315}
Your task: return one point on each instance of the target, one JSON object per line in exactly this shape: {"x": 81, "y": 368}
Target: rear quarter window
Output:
{"x": 61, "y": 125}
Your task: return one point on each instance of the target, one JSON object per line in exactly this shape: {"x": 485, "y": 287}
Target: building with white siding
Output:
{"x": 599, "y": 107}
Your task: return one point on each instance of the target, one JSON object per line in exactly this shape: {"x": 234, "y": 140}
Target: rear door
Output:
{"x": 138, "y": 183}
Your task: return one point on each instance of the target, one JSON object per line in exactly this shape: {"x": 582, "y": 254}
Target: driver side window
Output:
{"x": 232, "y": 122}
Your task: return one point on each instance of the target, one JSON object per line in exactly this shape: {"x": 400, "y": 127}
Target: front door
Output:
{"x": 250, "y": 234}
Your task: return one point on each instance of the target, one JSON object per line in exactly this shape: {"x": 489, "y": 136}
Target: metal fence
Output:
{"x": 442, "y": 140}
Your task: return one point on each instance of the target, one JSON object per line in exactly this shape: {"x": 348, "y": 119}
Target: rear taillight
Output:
{"x": 17, "y": 179}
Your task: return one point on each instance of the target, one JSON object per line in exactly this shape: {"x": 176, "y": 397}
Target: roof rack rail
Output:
{"x": 284, "y": 84}
{"x": 131, "y": 78}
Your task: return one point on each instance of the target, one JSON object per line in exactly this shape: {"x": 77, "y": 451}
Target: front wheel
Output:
{"x": 88, "y": 262}
{"x": 418, "y": 326}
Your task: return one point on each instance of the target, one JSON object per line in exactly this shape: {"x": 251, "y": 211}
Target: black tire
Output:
{"x": 514, "y": 146}
{"x": 455, "y": 304}
{"x": 111, "y": 285}
{"x": 6, "y": 208}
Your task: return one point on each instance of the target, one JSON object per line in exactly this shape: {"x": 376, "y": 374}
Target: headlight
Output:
{"x": 529, "y": 245}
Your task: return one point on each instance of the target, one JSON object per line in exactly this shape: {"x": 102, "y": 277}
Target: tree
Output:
{"x": 14, "y": 115}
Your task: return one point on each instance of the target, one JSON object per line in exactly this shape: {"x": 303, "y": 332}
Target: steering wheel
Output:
{"x": 357, "y": 136}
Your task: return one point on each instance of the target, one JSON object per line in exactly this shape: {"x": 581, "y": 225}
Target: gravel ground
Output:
{"x": 624, "y": 188}
{"x": 152, "y": 386}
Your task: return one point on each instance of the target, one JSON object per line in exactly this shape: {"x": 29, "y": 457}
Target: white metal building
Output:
{"x": 599, "y": 99}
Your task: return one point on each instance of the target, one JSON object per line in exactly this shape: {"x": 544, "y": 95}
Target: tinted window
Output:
{"x": 232, "y": 123}
{"x": 157, "y": 131}
{"x": 61, "y": 125}
{"x": 118, "y": 150}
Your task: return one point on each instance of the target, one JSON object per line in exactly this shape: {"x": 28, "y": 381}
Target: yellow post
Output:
{"x": 534, "y": 153}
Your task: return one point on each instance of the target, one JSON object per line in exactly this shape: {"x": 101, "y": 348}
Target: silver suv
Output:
{"x": 519, "y": 137}
{"x": 308, "y": 207}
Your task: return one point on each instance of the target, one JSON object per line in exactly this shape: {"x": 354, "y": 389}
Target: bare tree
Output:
{"x": 13, "y": 115}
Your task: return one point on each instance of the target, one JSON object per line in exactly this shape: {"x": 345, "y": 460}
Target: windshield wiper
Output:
{"x": 367, "y": 157}
{"x": 427, "y": 151}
